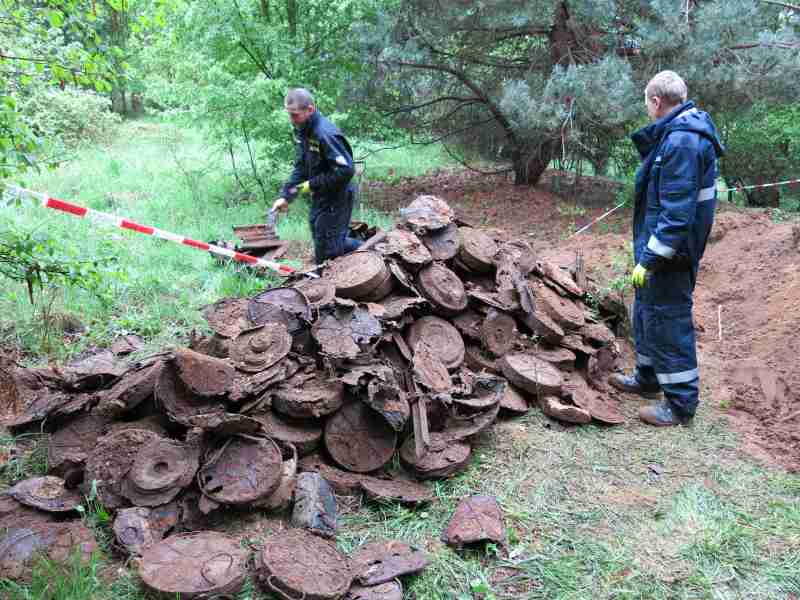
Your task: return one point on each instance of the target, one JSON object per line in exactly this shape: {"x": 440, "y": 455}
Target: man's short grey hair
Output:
{"x": 668, "y": 86}
{"x": 299, "y": 98}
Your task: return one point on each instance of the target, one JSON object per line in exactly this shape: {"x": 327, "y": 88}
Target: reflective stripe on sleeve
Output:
{"x": 661, "y": 249}
{"x": 707, "y": 193}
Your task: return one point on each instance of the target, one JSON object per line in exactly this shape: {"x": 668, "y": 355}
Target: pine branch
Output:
{"x": 794, "y": 7}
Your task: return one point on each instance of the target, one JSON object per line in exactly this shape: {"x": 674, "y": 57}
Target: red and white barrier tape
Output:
{"x": 114, "y": 220}
{"x": 763, "y": 185}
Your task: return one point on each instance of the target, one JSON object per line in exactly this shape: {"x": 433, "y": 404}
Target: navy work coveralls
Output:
{"x": 676, "y": 198}
{"x": 323, "y": 157}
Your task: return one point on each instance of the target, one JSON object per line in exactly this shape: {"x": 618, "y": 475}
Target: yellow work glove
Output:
{"x": 304, "y": 188}
{"x": 639, "y": 276}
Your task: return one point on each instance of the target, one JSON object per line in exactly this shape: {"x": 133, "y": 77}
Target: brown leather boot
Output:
{"x": 661, "y": 414}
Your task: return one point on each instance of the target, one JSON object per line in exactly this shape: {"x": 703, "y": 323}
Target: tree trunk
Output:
{"x": 265, "y": 10}
{"x": 528, "y": 168}
{"x": 291, "y": 17}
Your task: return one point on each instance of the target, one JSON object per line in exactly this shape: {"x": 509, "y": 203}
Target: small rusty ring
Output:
{"x": 281, "y": 592}
{"x": 205, "y": 565}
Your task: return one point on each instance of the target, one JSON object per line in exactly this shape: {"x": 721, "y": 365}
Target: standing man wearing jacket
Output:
{"x": 323, "y": 167}
{"x": 675, "y": 202}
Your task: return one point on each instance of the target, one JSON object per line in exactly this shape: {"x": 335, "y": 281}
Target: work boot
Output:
{"x": 661, "y": 414}
{"x": 630, "y": 384}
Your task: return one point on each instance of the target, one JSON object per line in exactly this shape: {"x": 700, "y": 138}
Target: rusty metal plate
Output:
{"x": 403, "y": 491}
{"x": 346, "y": 331}
{"x": 543, "y": 326}
{"x": 575, "y": 343}
{"x": 258, "y": 349}
{"x": 493, "y": 300}
{"x": 195, "y": 565}
{"x": 46, "y": 493}
{"x": 110, "y": 461}
{"x": 138, "y": 528}
{"x": 69, "y": 446}
{"x": 395, "y": 307}
{"x": 161, "y": 469}
{"x": 297, "y": 564}
{"x": 203, "y": 375}
{"x": 441, "y": 337}
{"x": 563, "y": 311}
{"x": 444, "y": 243}
{"x": 343, "y": 482}
{"x": 391, "y": 590}
{"x": 250, "y": 385}
{"x": 531, "y": 374}
{"x": 315, "y": 507}
{"x": 561, "y": 278}
{"x": 604, "y": 362}
{"x": 308, "y": 397}
{"x": 598, "y": 334}
{"x": 498, "y": 332}
{"x": 601, "y": 406}
{"x": 320, "y": 292}
{"x": 228, "y": 316}
{"x": 356, "y": 275}
{"x": 427, "y": 213}
{"x": 135, "y": 387}
{"x": 389, "y": 401}
{"x": 477, "y": 519}
{"x": 380, "y": 291}
{"x": 406, "y": 246}
{"x": 282, "y": 496}
{"x": 560, "y": 357}
{"x": 178, "y": 401}
{"x": 241, "y": 469}
{"x": 382, "y": 561}
{"x": 402, "y": 277}
{"x": 429, "y": 370}
{"x": 93, "y": 371}
{"x": 460, "y": 427}
{"x": 443, "y": 459}
{"x": 127, "y": 344}
{"x": 477, "y": 249}
{"x": 553, "y": 407}
{"x": 225, "y": 424}
{"x": 305, "y": 435}
{"x": 478, "y": 360}
{"x": 513, "y": 401}
{"x": 469, "y": 324}
{"x": 359, "y": 439}
{"x": 443, "y": 289}
{"x": 280, "y": 305}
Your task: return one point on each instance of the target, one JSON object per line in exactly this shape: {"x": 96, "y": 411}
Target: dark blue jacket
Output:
{"x": 676, "y": 192}
{"x": 323, "y": 157}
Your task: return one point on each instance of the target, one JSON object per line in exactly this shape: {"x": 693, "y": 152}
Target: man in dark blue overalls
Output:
{"x": 676, "y": 198}
{"x": 323, "y": 167}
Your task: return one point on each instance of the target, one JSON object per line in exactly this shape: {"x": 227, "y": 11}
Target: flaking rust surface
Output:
{"x": 69, "y": 447}
{"x": 427, "y": 213}
{"x": 280, "y": 305}
{"x": 408, "y": 247}
{"x": 382, "y": 561}
{"x": 441, "y": 337}
{"x": 228, "y": 316}
{"x": 205, "y": 376}
{"x": 498, "y": 332}
{"x": 178, "y": 400}
{"x": 444, "y": 457}
{"x": 443, "y": 289}
{"x": 476, "y": 519}
{"x": 477, "y": 249}
{"x": 130, "y": 391}
{"x": 404, "y": 491}
{"x": 429, "y": 370}
{"x": 346, "y": 331}
{"x": 388, "y": 400}
{"x": 260, "y": 348}
{"x": 391, "y": 590}
{"x": 46, "y": 493}
{"x": 308, "y": 397}
{"x": 359, "y": 439}
{"x": 443, "y": 244}
{"x": 304, "y": 434}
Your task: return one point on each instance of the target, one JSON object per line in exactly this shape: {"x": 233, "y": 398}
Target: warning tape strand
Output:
{"x": 122, "y": 223}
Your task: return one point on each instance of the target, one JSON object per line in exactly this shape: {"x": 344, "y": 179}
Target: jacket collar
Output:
{"x": 650, "y": 136}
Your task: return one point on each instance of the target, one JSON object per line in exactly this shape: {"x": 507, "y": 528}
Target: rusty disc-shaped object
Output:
{"x": 203, "y": 375}
{"x": 543, "y": 326}
{"x": 531, "y": 374}
{"x": 195, "y": 565}
{"x": 346, "y": 331}
{"x": 163, "y": 464}
{"x": 241, "y": 469}
{"x": 441, "y": 337}
{"x": 135, "y": 387}
{"x": 380, "y": 291}
{"x": 396, "y": 490}
{"x": 469, "y": 323}
{"x": 178, "y": 401}
{"x": 408, "y": 247}
{"x": 600, "y": 405}
{"x": 357, "y": 274}
{"x": 297, "y": 564}
{"x": 402, "y": 276}
{"x": 443, "y": 289}
{"x": 476, "y": 519}
{"x": 560, "y": 277}
{"x": 138, "y": 528}
{"x": 444, "y": 243}
{"x": 391, "y": 590}
{"x": 477, "y": 249}
{"x": 280, "y": 305}
{"x": 498, "y": 332}
{"x": 259, "y": 348}
{"x": 560, "y": 357}
{"x": 359, "y": 439}
{"x": 110, "y": 461}
{"x": 575, "y": 343}
{"x": 443, "y": 459}
{"x": 283, "y": 494}
{"x": 562, "y": 310}
{"x": 513, "y": 401}
{"x": 310, "y": 398}
{"x": 429, "y": 370}
{"x": 305, "y": 435}
{"x": 598, "y": 334}
{"x": 477, "y": 359}
{"x": 228, "y": 316}
{"x": 46, "y": 493}
{"x": 427, "y": 213}
{"x": 70, "y": 445}
{"x": 343, "y": 482}
{"x": 378, "y": 562}
{"x": 320, "y": 292}
{"x": 394, "y": 307}
{"x": 553, "y": 407}
{"x": 461, "y": 427}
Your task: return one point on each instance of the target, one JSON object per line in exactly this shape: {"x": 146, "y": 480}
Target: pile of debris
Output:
{"x": 304, "y": 392}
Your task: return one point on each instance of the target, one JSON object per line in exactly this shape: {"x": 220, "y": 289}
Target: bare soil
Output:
{"x": 747, "y": 301}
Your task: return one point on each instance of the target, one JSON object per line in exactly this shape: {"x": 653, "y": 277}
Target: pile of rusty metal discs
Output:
{"x": 302, "y": 393}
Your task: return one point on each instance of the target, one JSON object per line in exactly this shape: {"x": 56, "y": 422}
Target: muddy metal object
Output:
{"x": 314, "y": 505}
{"x": 250, "y": 385}
{"x": 477, "y": 519}
{"x": 241, "y": 469}
{"x": 280, "y": 305}
{"x": 403, "y": 491}
{"x": 282, "y": 496}
{"x": 543, "y": 326}
{"x": 559, "y": 277}
{"x": 127, "y": 344}
{"x": 598, "y": 334}
{"x": 110, "y": 461}
{"x": 297, "y": 564}
{"x": 391, "y": 590}
{"x": 31, "y": 400}
{"x": 513, "y": 401}
{"x": 601, "y": 365}
{"x": 346, "y": 331}
{"x": 379, "y": 562}
{"x": 443, "y": 289}
{"x": 320, "y": 292}
{"x": 138, "y": 528}
{"x": 426, "y": 214}
{"x": 203, "y": 375}
{"x": 477, "y": 249}
{"x": 228, "y": 316}
{"x": 225, "y": 424}
{"x": 575, "y": 343}
{"x": 441, "y": 337}
{"x": 402, "y": 277}
{"x": 395, "y": 307}
{"x": 553, "y": 407}
{"x": 46, "y": 493}
{"x": 560, "y": 357}
{"x": 498, "y": 332}
{"x": 259, "y": 348}
{"x": 359, "y": 275}
{"x": 200, "y": 565}
{"x": 359, "y": 439}
{"x": 562, "y": 310}
{"x": 443, "y": 459}
{"x": 21, "y": 547}
{"x": 477, "y": 359}
{"x": 601, "y": 407}
{"x": 304, "y": 434}
{"x": 70, "y": 445}
{"x": 443, "y": 244}
{"x": 304, "y": 398}
{"x": 161, "y": 469}
{"x": 531, "y": 374}
{"x": 94, "y": 371}
{"x": 388, "y": 400}
{"x": 178, "y": 401}
{"x": 469, "y": 323}
{"x": 130, "y": 391}
{"x": 429, "y": 370}
{"x": 462, "y": 426}
{"x": 343, "y": 483}
{"x": 406, "y": 246}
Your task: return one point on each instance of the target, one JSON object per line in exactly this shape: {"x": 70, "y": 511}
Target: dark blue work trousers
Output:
{"x": 329, "y": 220}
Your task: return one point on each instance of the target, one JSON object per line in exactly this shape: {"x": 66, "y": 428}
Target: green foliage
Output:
{"x": 25, "y": 456}
{"x": 75, "y": 579}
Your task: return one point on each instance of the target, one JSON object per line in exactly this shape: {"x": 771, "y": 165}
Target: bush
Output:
{"x": 71, "y": 115}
